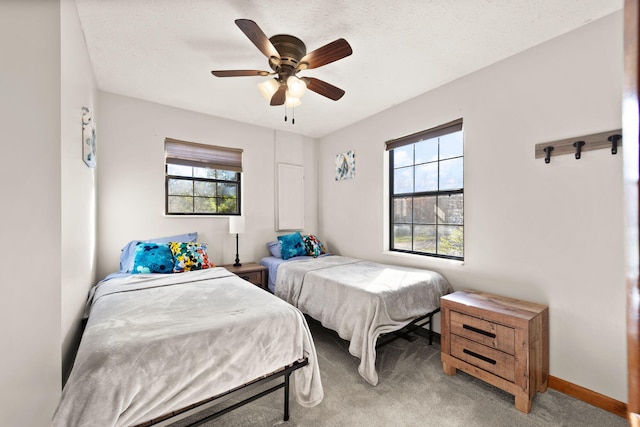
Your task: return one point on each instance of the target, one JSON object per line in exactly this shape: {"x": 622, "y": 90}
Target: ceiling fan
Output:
{"x": 288, "y": 56}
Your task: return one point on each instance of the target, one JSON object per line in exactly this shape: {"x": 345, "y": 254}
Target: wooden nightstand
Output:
{"x": 251, "y": 272}
{"x": 502, "y": 341}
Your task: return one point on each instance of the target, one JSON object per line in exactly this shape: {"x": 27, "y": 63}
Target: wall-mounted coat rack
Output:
{"x": 576, "y": 146}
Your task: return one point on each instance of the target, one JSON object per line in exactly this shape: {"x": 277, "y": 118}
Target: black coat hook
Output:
{"x": 578, "y": 145}
{"x": 547, "y": 150}
{"x": 614, "y": 142}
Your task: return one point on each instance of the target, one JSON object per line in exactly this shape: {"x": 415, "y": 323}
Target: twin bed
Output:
{"x": 360, "y": 300}
{"x": 157, "y": 343}
{"x": 156, "y": 346}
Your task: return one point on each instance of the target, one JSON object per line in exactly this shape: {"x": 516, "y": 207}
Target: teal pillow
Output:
{"x": 129, "y": 251}
{"x": 152, "y": 258}
{"x": 292, "y": 245}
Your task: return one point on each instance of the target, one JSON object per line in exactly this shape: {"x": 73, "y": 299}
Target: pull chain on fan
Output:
{"x": 293, "y": 114}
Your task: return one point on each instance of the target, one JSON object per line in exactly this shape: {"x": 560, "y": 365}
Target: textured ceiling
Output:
{"x": 164, "y": 50}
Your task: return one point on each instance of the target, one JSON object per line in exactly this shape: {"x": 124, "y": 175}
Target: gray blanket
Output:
{"x": 360, "y": 300}
{"x": 158, "y": 343}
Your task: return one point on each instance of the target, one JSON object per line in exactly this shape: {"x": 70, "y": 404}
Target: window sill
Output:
{"x": 429, "y": 259}
{"x": 221, "y": 216}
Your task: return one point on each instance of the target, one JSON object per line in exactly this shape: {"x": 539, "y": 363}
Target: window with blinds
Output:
{"x": 426, "y": 192}
{"x": 201, "y": 179}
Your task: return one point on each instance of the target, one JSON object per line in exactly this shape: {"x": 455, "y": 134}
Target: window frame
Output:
{"x": 194, "y": 155}
{"x": 445, "y": 129}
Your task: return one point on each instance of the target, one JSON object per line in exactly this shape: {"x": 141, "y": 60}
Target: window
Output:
{"x": 201, "y": 179}
{"x": 426, "y": 192}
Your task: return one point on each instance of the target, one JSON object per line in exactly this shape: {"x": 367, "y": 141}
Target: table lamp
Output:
{"x": 236, "y": 226}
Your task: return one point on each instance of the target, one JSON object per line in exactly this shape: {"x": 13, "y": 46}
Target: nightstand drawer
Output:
{"x": 251, "y": 272}
{"x": 488, "y": 359}
{"x": 481, "y": 331}
{"x": 254, "y": 277}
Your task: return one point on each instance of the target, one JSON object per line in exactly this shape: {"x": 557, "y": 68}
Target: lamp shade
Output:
{"x": 268, "y": 88}
{"x": 296, "y": 86}
{"x": 291, "y": 101}
{"x": 236, "y": 224}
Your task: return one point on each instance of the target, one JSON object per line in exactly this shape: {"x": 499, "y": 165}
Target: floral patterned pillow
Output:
{"x": 313, "y": 246}
{"x": 152, "y": 257}
{"x": 189, "y": 256}
{"x": 291, "y": 245}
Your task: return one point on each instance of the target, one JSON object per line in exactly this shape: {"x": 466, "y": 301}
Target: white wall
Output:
{"x": 30, "y": 371}
{"x": 548, "y": 233}
{"x": 78, "y": 182}
{"x": 131, "y": 135}
{"x": 560, "y": 234}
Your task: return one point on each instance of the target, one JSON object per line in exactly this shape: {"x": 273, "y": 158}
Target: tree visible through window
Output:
{"x": 201, "y": 179}
{"x": 426, "y": 189}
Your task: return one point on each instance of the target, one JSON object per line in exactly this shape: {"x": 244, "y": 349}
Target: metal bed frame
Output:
{"x": 196, "y": 408}
{"x": 411, "y": 327}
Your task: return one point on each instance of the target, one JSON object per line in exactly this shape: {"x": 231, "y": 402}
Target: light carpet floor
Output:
{"x": 412, "y": 391}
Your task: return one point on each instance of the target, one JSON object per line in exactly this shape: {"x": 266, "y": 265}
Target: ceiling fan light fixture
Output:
{"x": 268, "y": 88}
{"x": 296, "y": 87}
{"x": 292, "y": 101}
{"x": 287, "y": 56}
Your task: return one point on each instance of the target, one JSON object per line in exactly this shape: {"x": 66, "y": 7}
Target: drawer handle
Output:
{"x": 479, "y": 356}
{"x": 479, "y": 331}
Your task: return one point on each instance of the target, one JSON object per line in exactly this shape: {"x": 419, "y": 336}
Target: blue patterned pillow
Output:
{"x": 292, "y": 245}
{"x": 152, "y": 258}
{"x": 129, "y": 251}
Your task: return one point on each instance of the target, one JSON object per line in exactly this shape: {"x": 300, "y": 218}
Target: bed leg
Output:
{"x": 286, "y": 397}
{"x": 431, "y": 328}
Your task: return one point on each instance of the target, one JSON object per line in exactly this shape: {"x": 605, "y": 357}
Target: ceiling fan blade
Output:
{"x": 326, "y": 54}
{"x": 257, "y": 37}
{"x": 239, "y": 73}
{"x": 280, "y": 96}
{"x": 323, "y": 88}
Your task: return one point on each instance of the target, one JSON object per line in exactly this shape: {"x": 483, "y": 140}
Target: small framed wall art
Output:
{"x": 88, "y": 138}
{"x": 346, "y": 165}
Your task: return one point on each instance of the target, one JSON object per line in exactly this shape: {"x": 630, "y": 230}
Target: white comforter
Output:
{"x": 158, "y": 343}
{"x": 360, "y": 299}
